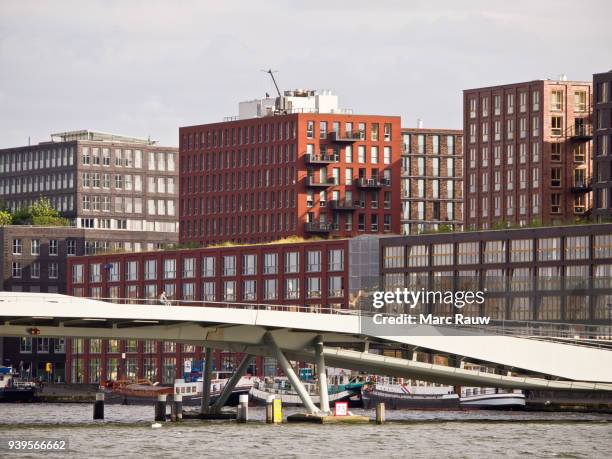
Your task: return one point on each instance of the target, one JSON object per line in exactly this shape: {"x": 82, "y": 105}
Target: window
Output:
{"x": 95, "y": 272}
{"x": 150, "y": 269}
{"x": 313, "y": 287}
{"x": 208, "y": 266}
{"x": 549, "y": 249}
{"x": 555, "y": 203}
{"x": 25, "y": 345}
{"x": 17, "y": 247}
{"x": 113, "y": 271}
{"x": 556, "y": 125}
{"x": 53, "y": 247}
{"x": 556, "y": 101}
{"x": 170, "y": 268}
{"x": 336, "y": 260}
{"x": 555, "y": 176}
{"x": 602, "y": 246}
{"x": 467, "y": 253}
{"x": 229, "y": 290}
{"x": 77, "y": 274}
{"x": 292, "y": 260}
{"x": 310, "y": 129}
{"x": 292, "y": 288}
{"x": 189, "y": 267}
{"x": 270, "y": 263}
{"x": 521, "y": 250}
{"x": 495, "y": 252}
{"x": 35, "y": 270}
{"x": 188, "y": 291}
{"x": 576, "y": 247}
{"x": 418, "y": 255}
{"x": 335, "y": 286}
{"x": 208, "y": 291}
{"x": 71, "y": 246}
{"x": 35, "y": 247}
{"x": 313, "y": 263}
{"x": 249, "y": 265}
{"x": 53, "y": 270}
{"x": 442, "y": 254}
{"x": 229, "y": 265}
{"x": 270, "y": 289}
{"x": 555, "y": 151}
{"x": 249, "y": 290}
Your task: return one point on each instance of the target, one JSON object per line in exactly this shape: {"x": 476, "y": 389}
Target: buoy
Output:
{"x": 156, "y": 425}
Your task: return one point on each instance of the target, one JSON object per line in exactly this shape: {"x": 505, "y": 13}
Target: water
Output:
{"x": 127, "y": 432}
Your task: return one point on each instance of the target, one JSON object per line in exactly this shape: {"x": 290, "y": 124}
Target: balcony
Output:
{"x": 580, "y": 132}
{"x": 372, "y": 183}
{"x": 582, "y": 186}
{"x": 311, "y": 158}
{"x": 342, "y": 204}
{"x": 313, "y": 183}
{"x": 346, "y": 137}
{"x": 319, "y": 227}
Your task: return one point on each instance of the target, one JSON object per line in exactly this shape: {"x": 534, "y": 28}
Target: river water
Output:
{"x": 126, "y": 432}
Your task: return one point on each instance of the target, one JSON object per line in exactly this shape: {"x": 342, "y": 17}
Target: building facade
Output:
{"x": 432, "y": 180}
{"x": 314, "y": 275}
{"x": 305, "y": 173}
{"x": 96, "y": 180}
{"x": 527, "y": 153}
{"x": 560, "y": 274}
{"x": 119, "y": 193}
{"x": 602, "y": 146}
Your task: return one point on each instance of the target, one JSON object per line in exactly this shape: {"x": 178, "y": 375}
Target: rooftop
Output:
{"x": 86, "y": 134}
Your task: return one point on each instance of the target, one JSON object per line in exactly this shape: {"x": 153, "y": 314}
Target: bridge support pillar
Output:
{"x": 321, "y": 373}
{"x": 205, "y": 408}
{"x": 293, "y": 378}
{"x": 231, "y": 384}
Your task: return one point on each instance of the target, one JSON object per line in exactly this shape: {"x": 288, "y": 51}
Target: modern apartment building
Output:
{"x": 602, "y": 146}
{"x": 528, "y": 153}
{"x": 313, "y": 275}
{"x": 557, "y": 274}
{"x": 97, "y": 180}
{"x": 301, "y": 167}
{"x": 432, "y": 180}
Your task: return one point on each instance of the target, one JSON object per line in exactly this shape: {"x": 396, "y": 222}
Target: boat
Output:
{"x": 487, "y": 398}
{"x": 397, "y": 396}
{"x": 192, "y": 390}
{"x": 280, "y": 388}
{"x": 13, "y": 388}
{"x": 141, "y": 391}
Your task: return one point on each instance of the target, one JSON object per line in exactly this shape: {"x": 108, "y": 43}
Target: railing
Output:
{"x": 347, "y": 136}
{"x": 583, "y": 186}
{"x": 313, "y": 158}
{"x": 311, "y": 181}
{"x": 320, "y": 227}
{"x": 343, "y": 204}
{"x": 580, "y": 131}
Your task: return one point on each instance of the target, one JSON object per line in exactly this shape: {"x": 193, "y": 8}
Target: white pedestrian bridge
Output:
{"x": 330, "y": 337}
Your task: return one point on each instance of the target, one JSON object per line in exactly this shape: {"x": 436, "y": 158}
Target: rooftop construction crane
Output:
{"x": 271, "y": 73}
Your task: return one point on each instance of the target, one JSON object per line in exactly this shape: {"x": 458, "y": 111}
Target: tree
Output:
{"x": 5, "y": 218}
{"x": 40, "y": 213}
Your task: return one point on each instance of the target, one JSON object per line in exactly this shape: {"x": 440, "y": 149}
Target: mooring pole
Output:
{"x": 205, "y": 408}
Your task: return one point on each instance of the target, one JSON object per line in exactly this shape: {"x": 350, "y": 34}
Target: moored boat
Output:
{"x": 487, "y": 398}
{"x": 192, "y": 390}
{"x": 13, "y": 389}
{"x": 136, "y": 392}
{"x": 403, "y": 396}
{"x": 280, "y": 388}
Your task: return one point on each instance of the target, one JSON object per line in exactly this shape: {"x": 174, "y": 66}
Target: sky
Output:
{"x": 144, "y": 68}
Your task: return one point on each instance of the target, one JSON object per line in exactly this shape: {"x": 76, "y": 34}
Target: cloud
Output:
{"x": 147, "y": 67}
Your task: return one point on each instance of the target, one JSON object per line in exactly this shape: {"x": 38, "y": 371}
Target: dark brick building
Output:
{"x": 527, "y": 153}
{"x": 602, "y": 146}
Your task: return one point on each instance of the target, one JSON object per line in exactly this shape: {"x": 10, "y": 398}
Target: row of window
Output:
{"x": 17, "y": 269}
{"x": 557, "y": 98}
{"x": 247, "y": 225}
{"x": 579, "y": 202}
{"x": 415, "y": 188}
{"x": 160, "y": 161}
{"x": 127, "y": 204}
{"x": 52, "y": 246}
{"x": 419, "y": 147}
{"x": 432, "y": 167}
{"x": 42, "y": 345}
{"x": 262, "y": 200}
{"x": 239, "y": 180}
{"x": 36, "y": 160}
{"x": 248, "y": 290}
{"x": 417, "y": 211}
{"x": 249, "y": 266}
{"x": 515, "y": 251}
{"x": 557, "y": 153}
{"x": 36, "y": 183}
{"x": 128, "y": 182}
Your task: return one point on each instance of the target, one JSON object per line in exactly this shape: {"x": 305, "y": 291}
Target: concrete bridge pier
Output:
{"x": 293, "y": 378}
{"x": 231, "y": 384}
{"x": 322, "y": 375}
{"x": 205, "y": 408}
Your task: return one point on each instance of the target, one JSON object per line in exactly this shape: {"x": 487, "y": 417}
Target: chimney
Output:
{"x": 419, "y": 123}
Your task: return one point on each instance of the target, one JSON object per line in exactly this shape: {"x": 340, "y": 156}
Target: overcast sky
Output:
{"x": 144, "y": 68}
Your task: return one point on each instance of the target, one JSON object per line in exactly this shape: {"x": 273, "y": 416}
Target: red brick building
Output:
{"x": 312, "y": 274}
{"x": 527, "y": 153}
{"x": 263, "y": 178}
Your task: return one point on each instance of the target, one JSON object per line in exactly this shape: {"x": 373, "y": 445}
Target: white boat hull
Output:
{"x": 493, "y": 401}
